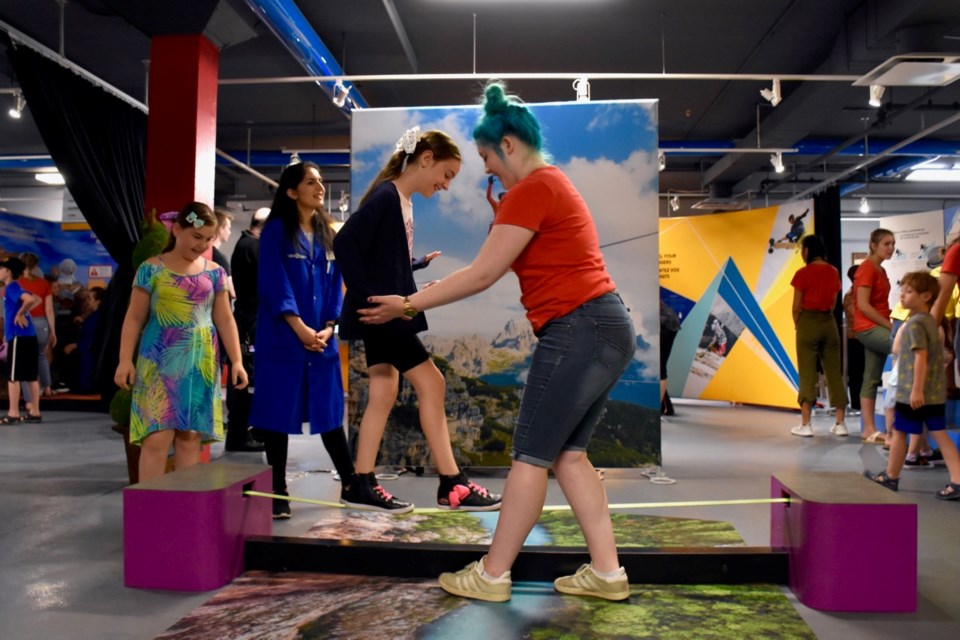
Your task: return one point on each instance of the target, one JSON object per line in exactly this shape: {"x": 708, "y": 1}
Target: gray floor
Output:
{"x": 61, "y": 564}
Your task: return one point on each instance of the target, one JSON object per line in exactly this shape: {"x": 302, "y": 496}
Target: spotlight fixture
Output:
{"x": 294, "y": 158}
{"x": 675, "y": 203}
{"x": 776, "y": 160}
{"x": 18, "y": 104}
{"x": 876, "y": 92}
{"x": 661, "y": 160}
{"x": 340, "y": 93}
{"x": 582, "y": 87}
{"x": 772, "y": 95}
{"x": 864, "y": 205}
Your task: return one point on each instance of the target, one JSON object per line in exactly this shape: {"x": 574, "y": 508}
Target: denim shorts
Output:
{"x": 578, "y": 360}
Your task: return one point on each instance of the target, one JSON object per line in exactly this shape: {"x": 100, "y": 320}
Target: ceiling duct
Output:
{"x": 921, "y": 61}
{"x": 722, "y": 199}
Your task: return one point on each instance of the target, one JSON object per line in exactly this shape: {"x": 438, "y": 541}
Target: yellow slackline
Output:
{"x": 553, "y": 507}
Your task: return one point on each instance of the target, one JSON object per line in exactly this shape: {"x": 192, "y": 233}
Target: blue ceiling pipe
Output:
{"x": 289, "y": 25}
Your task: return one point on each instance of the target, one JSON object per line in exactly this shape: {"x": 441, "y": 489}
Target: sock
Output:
{"x": 504, "y": 577}
{"x": 609, "y": 576}
{"x": 912, "y": 457}
{"x": 927, "y": 454}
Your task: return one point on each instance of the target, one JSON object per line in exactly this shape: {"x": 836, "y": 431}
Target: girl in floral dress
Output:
{"x": 177, "y": 307}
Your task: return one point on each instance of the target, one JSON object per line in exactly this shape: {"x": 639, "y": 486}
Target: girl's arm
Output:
{"x": 797, "y": 306}
{"x": 133, "y": 323}
{"x": 227, "y": 328}
{"x": 499, "y": 251}
{"x": 947, "y": 282}
{"x": 51, "y": 319}
{"x": 863, "y": 304}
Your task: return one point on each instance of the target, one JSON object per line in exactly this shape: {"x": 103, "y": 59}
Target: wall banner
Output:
{"x": 728, "y": 277}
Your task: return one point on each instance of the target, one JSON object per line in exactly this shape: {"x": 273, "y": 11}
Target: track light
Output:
{"x": 294, "y": 159}
{"x": 340, "y": 94}
{"x": 582, "y": 87}
{"x": 864, "y": 205}
{"x": 661, "y": 161}
{"x": 18, "y": 104}
{"x": 772, "y": 95}
{"x": 876, "y": 92}
{"x": 674, "y": 203}
{"x": 776, "y": 160}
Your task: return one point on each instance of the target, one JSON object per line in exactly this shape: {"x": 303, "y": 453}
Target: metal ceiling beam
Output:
{"x": 401, "y": 34}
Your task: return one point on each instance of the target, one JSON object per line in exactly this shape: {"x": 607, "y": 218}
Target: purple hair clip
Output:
{"x": 195, "y": 220}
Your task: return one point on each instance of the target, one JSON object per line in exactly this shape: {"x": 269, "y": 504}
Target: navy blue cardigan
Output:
{"x": 371, "y": 250}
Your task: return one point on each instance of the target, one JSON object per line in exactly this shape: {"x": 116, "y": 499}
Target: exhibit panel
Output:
{"x": 483, "y": 344}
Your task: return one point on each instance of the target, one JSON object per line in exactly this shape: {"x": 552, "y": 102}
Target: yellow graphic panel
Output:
{"x": 748, "y": 374}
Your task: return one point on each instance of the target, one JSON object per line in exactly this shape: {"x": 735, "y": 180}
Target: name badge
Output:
{"x": 330, "y": 256}
{"x": 297, "y": 256}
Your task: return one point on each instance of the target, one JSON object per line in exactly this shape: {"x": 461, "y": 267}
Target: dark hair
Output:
{"x": 222, "y": 217}
{"x": 440, "y": 144}
{"x": 14, "y": 265}
{"x": 877, "y": 235}
{"x": 203, "y": 212}
{"x": 505, "y": 114}
{"x": 922, "y": 282}
{"x": 284, "y": 207}
{"x": 852, "y": 271}
{"x": 98, "y": 293}
{"x": 30, "y": 260}
{"x": 815, "y": 248}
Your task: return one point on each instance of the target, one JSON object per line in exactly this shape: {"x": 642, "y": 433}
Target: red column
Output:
{"x": 182, "y": 125}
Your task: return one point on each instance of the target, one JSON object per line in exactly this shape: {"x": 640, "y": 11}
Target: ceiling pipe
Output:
{"x": 289, "y": 25}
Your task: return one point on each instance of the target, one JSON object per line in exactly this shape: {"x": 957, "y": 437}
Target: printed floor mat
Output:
{"x": 305, "y": 606}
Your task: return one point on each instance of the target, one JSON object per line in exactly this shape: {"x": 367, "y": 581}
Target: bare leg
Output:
{"x": 806, "y": 410}
{"x": 34, "y": 387}
{"x": 13, "y": 392}
{"x": 898, "y": 453}
{"x": 524, "y": 493}
{"x": 950, "y": 455}
{"x": 663, "y": 390}
{"x": 867, "y": 407}
{"x": 582, "y": 487}
{"x": 186, "y": 449}
{"x": 384, "y": 382}
{"x": 153, "y": 454}
{"x": 431, "y": 391}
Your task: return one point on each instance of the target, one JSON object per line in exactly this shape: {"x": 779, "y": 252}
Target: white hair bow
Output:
{"x": 408, "y": 141}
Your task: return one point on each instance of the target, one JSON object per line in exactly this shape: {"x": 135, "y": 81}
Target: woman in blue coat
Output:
{"x": 298, "y": 376}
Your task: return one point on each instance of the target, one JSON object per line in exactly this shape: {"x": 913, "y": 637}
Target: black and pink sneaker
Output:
{"x": 459, "y": 492}
{"x": 364, "y": 492}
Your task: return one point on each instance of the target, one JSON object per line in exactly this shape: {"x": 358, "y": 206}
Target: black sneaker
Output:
{"x": 920, "y": 462}
{"x": 281, "y": 508}
{"x": 936, "y": 458}
{"x": 459, "y": 492}
{"x": 883, "y": 480}
{"x": 364, "y": 492}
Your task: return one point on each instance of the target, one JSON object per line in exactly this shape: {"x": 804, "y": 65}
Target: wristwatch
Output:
{"x": 409, "y": 310}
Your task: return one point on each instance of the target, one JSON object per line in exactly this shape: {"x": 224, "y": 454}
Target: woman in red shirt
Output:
{"x": 871, "y": 321}
{"x": 816, "y": 287}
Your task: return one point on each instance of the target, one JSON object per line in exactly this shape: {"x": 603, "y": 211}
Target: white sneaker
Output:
{"x": 839, "y": 429}
{"x": 803, "y": 430}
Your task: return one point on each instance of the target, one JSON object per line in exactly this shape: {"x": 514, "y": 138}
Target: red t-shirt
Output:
{"x": 951, "y": 261}
{"x": 869, "y": 275}
{"x": 40, "y": 288}
{"x": 562, "y": 267}
{"x": 819, "y": 282}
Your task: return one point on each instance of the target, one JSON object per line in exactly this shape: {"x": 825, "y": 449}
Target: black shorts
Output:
{"x": 22, "y": 359}
{"x": 404, "y": 352}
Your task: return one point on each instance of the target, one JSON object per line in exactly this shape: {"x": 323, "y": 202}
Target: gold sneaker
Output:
{"x": 586, "y": 583}
{"x": 470, "y": 583}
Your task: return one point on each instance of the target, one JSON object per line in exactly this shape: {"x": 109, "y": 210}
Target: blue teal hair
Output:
{"x": 505, "y": 114}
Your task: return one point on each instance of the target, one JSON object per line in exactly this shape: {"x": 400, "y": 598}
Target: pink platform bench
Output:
{"x": 185, "y": 531}
{"x": 830, "y": 530}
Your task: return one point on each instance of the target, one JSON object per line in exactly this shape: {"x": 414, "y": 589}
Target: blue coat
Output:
{"x": 293, "y": 385}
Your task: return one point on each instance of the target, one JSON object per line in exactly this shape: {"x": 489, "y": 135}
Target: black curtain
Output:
{"x": 826, "y": 222}
{"x": 98, "y": 143}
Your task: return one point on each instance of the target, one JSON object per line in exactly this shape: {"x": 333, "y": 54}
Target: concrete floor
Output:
{"x": 61, "y": 563}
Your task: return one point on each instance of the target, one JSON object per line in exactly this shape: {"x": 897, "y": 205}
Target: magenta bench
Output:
{"x": 185, "y": 531}
{"x": 831, "y": 528}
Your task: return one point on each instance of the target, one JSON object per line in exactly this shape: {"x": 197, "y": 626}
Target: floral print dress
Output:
{"x": 177, "y": 383}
